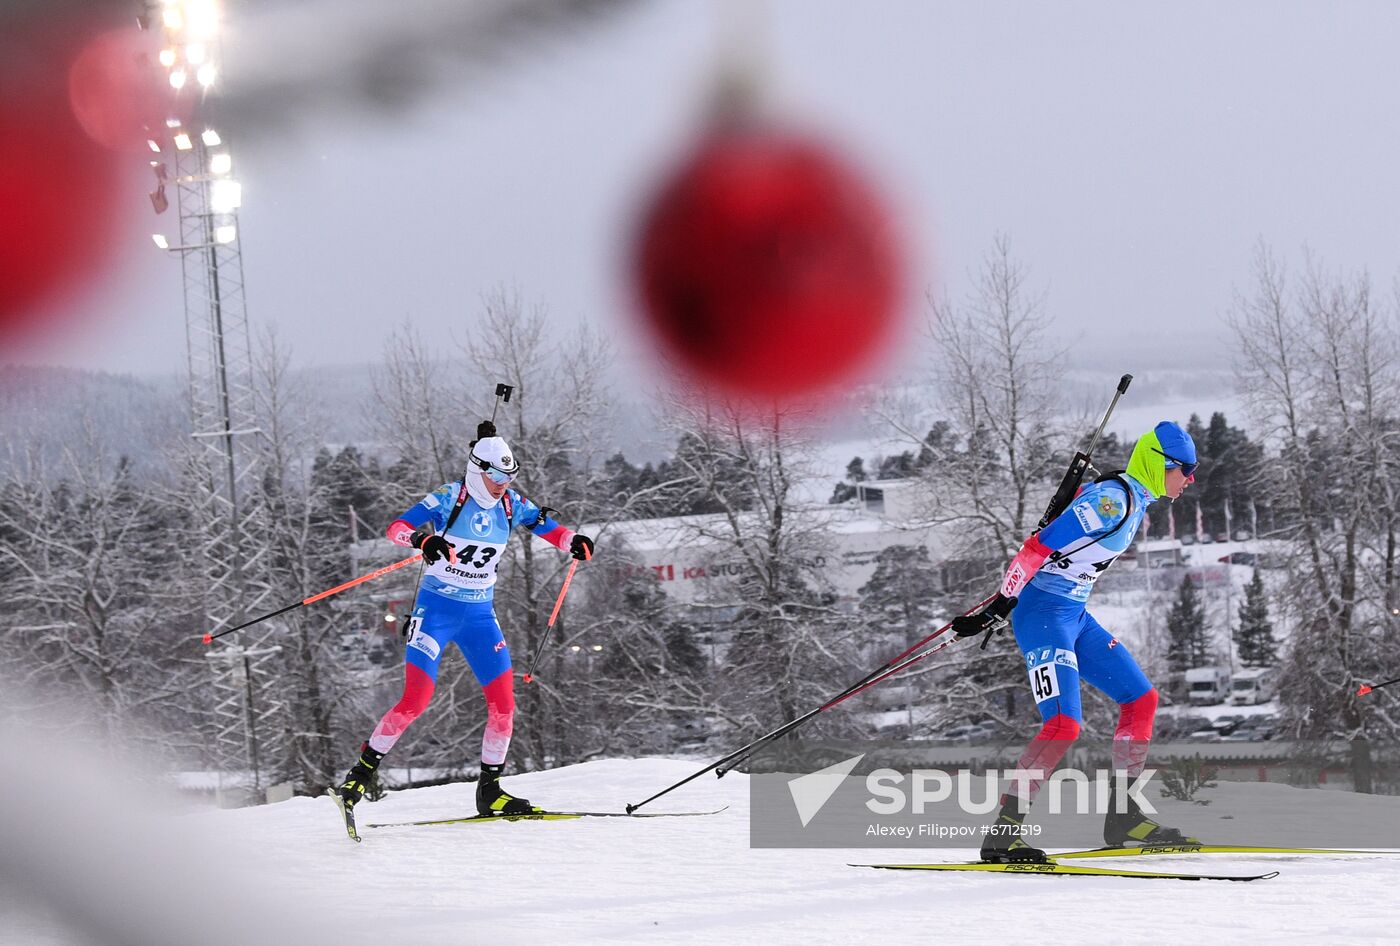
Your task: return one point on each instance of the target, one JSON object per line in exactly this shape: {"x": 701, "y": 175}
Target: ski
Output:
{"x": 1072, "y": 870}
{"x": 546, "y": 816}
{"x": 1152, "y": 849}
{"x": 347, "y": 813}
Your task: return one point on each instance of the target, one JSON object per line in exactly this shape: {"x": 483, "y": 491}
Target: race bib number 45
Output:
{"x": 1045, "y": 682}
{"x": 1043, "y": 664}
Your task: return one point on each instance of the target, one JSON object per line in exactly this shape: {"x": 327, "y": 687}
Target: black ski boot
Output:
{"x": 491, "y": 799}
{"x": 1003, "y": 842}
{"x": 359, "y": 777}
{"x": 1132, "y": 828}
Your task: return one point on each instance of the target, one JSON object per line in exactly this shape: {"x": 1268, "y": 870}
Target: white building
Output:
{"x": 689, "y": 554}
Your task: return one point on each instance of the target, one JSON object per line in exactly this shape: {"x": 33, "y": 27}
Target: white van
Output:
{"x": 1257, "y": 685}
{"x": 1207, "y": 686}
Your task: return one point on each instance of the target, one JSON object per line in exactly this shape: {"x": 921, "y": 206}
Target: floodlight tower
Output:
{"x": 224, "y": 462}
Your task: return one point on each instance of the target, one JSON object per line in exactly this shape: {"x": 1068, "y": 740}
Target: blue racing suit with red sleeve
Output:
{"x": 454, "y": 605}
{"x": 1056, "y": 571}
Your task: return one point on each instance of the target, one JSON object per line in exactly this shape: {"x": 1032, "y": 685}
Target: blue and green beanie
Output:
{"x": 1148, "y": 465}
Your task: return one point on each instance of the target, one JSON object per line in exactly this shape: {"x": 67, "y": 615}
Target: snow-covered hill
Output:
{"x": 686, "y": 880}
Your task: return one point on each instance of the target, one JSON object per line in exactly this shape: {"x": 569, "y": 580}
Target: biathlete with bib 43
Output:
{"x": 1045, "y": 592}
{"x": 462, "y": 529}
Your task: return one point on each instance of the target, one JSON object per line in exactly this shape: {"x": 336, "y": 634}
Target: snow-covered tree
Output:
{"x": 1254, "y": 637}
{"x": 1188, "y": 638}
{"x": 1318, "y": 365}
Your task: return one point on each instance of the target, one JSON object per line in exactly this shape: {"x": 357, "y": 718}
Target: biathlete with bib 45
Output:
{"x": 1045, "y": 592}
{"x": 462, "y": 528}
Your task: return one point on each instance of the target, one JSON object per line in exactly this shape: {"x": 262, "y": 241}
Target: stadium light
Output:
{"x": 172, "y": 123}
{"x": 151, "y": 143}
{"x": 211, "y": 138}
{"x": 195, "y": 53}
{"x": 203, "y": 18}
{"x": 221, "y": 163}
{"x": 172, "y": 19}
{"x": 225, "y": 196}
{"x": 207, "y": 74}
{"x": 177, "y": 79}
{"x": 182, "y": 142}
{"x": 167, "y": 57}
{"x": 597, "y": 647}
{"x": 225, "y": 234}
{"x": 160, "y": 241}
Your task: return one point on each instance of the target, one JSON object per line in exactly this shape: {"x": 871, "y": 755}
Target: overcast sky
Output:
{"x": 1133, "y": 153}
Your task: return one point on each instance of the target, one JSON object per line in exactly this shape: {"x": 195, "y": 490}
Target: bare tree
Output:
{"x": 421, "y": 411}
{"x": 995, "y": 369}
{"x": 1318, "y": 368}
{"x": 1004, "y": 430}
{"x": 84, "y": 598}
{"x": 786, "y": 644}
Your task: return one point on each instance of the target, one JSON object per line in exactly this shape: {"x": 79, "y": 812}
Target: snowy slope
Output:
{"x": 286, "y": 873}
{"x": 696, "y": 880}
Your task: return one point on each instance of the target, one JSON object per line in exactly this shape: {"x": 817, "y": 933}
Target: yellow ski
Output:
{"x": 1071, "y": 870}
{"x": 1153, "y": 849}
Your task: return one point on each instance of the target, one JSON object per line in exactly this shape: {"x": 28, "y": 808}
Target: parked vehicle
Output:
{"x": 972, "y": 732}
{"x": 1207, "y": 686}
{"x": 1180, "y": 727}
{"x": 1256, "y": 685}
{"x": 1253, "y": 729}
{"x": 1173, "y": 688}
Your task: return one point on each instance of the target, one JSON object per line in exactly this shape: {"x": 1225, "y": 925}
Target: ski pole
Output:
{"x": 539, "y": 649}
{"x": 843, "y": 697}
{"x": 1368, "y": 687}
{"x": 210, "y": 637}
{"x": 884, "y": 671}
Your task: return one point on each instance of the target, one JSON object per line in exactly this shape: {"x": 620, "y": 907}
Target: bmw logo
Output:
{"x": 481, "y": 522}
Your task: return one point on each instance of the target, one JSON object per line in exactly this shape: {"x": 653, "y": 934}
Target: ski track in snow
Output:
{"x": 694, "y": 880}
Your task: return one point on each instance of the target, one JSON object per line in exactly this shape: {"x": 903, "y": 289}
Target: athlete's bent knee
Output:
{"x": 1059, "y": 728}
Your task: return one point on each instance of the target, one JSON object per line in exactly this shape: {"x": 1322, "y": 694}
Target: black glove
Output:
{"x": 433, "y": 547}
{"x": 992, "y": 617}
{"x": 581, "y": 547}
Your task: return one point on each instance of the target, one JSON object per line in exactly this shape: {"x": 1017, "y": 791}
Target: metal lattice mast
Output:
{"x": 223, "y": 469}
{"x": 224, "y": 429}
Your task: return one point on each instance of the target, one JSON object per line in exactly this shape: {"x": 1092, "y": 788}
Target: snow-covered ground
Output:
{"x": 286, "y": 873}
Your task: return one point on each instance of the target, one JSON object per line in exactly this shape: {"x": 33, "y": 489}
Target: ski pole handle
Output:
{"x": 209, "y": 638}
{"x": 1369, "y": 687}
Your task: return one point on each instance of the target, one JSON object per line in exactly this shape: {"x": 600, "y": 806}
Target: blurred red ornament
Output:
{"x": 118, "y": 92}
{"x": 58, "y": 188}
{"x": 767, "y": 266}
